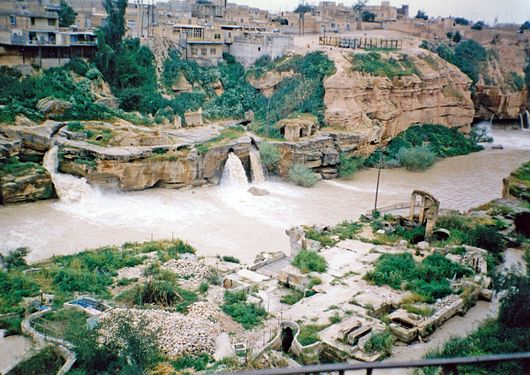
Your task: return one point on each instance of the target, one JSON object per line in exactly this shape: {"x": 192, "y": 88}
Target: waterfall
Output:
{"x": 234, "y": 173}
{"x": 521, "y": 120}
{"x": 69, "y": 188}
{"x": 527, "y": 120}
{"x": 491, "y": 119}
{"x": 256, "y": 167}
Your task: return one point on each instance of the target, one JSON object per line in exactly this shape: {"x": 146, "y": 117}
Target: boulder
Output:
{"x": 33, "y": 184}
{"x": 257, "y": 191}
{"x": 53, "y": 107}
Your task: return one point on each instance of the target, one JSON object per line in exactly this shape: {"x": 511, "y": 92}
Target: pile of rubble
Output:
{"x": 176, "y": 334}
{"x": 191, "y": 271}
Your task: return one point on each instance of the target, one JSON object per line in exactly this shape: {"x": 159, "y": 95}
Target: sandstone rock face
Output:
{"x": 377, "y": 108}
{"x": 51, "y": 106}
{"x": 268, "y": 82}
{"x": 103, "y": 94}
{"x": 34, "y": 184}
{"x": 495, "y": 101}
{"x": 138, "y": 168}
{"x": 181, "y": 85}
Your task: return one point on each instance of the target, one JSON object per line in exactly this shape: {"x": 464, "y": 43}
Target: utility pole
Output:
{"x": 378, "y": 178}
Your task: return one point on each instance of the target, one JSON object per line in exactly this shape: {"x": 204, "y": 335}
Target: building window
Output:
{"x": 131, "y": 24}
{"x": 259, "y": 49}
{"x": 213, "y": 51}
{"x": 51, "y": 22}
{"x": 217, "y": 36}
{"x": 13, "y": 20}
{"x": 193, "y": 51}
{"x": 33, "y": 20}
{"x": 204, "y": 51}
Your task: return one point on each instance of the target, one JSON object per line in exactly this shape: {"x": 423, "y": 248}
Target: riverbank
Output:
{"x": 241, "y": 224}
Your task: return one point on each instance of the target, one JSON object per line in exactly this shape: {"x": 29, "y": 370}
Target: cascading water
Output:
{"x": 234, "y": 173}
{"x": 527, "y": 121}
{"x": 69, "y": 188}
{"x": 256, "y": 167}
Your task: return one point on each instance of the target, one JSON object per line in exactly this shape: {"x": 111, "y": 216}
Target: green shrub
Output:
{"x": 380, "y": 342}
{"x": 309, "y": 334}
{"x": 348, "y": 165}
{"x": 197, "y": 362}
{"x": 310, "y": 261}
{"x": 46, "y": 362}
{"x": 17, "y": 168}
{"x": 346, "y": 230}
{"x": 478, "y": 25}
{"x": 324, "y": 238}
{"x": 16, "y": 258}
{"x": 428, "y": 279}
{"x": 269, "y": 154}
{"x": 293, "y": 297}
{"x": 442, "y": 141}
{"x": 248, "y": 314}
{"x": 515, "y": 81}
{"x": 416, "y": 158}
{"x": 231, "y": 259}
{"x": 11, "y": 325}
{"x": 203, "y": 288}
{"x": 14, "y": 286}
{"x": 335, "y": 318}
{"x": 164, "y": 293}
{"x": 486, "y": 237}
{"x": 302, "y": 175}
{"x": 75, "y": 126}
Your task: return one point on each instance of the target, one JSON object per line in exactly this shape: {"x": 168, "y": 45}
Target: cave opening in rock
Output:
{"x": 287, "y": 339}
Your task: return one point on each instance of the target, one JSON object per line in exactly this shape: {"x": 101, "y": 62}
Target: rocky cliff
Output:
{"x": 377, "y": 108}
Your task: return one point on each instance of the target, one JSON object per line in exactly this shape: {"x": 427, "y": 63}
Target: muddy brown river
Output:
{"x": 231, "y": 221}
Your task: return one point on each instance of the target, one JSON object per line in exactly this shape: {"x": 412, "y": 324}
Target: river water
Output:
{"x": 227, "y": 220}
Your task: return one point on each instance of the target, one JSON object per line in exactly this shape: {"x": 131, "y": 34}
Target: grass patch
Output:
{"x": 309, "y": 333}
{"x": 248, "y": 314}
{"x": 231, "y": 259}
{"x": 163, "y": 293}
{"x": 46, "y": 362}
{"x": 13, "y": 166}
{"x": 380, "y": 342}
{"x": 197, "y": 362}
{"x": 310, "y": 261}
{"x": 348, "y": 165}
{"x": 418, "y": 310}
{"x": 374, "y": 63}
{"x": 428, "y": 279}
{"x": 269, "y": 154}
{"x": 293, "y": 297}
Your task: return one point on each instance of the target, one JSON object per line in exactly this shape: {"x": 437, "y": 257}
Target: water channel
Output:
{"x": 227, "y": 220}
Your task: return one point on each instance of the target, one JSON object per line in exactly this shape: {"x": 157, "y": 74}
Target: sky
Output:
{"x": 505, "y": 11}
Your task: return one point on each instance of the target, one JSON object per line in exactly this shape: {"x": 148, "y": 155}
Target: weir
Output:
{"x": 69, "y": 188}
{"x": 256, "y": 166}
{"x": 233, "y": 173}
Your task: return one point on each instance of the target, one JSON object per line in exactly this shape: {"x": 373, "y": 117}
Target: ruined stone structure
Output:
{"x": 428, "y": 210}
{"x": 299, "y": 127}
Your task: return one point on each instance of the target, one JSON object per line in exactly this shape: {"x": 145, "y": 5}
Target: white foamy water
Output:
{"x": 256, "y": 167}
{"x": 233, "y": 172}
{"x": 227, "y": 220}
{"x": 69, "y": 188}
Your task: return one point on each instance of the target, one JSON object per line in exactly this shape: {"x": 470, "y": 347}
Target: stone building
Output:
{"x": 30, "y": 34}
{"x": 299, "y": 127}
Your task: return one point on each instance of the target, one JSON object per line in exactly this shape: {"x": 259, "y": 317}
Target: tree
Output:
{"x": 359, "y": 5}
{"x": 114, "y": 29}
{"x": 461, "y": 21}
{"x": 422, "y": 15}
{"x": 66, "y": 15}
{"x": 478, "y": 25}
{"x": 457, "y": 37}
{"x": 304, "y": 8}
{"x": 524, "y": 26}
{"x": 368, "y": 16}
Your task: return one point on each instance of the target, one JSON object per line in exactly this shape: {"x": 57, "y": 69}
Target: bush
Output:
{"x": 269, "y": 154}
{"x": 422, "y": 15}
{"x": 293, "y": 297}
{"x": 231, "y": 259}
{"x": 46, "y": 362}
{"x": 302, "y": 175}
{"x": 486, "y": 237}
{"x": 164, "y": 293}
{"x": 310, "y": 261}
{"x": 16, "y": 258}
{"x": 478, "y": 25}
{"x": 416, "y": 158}
{"x": 248, "y": 314}
{"x": 428, "y": 279}
{"x": 442, "y": 141}
{"x": 309, "y": 334}
{"x": 461, "y": 21}
{"x": 197, "y": 362}
{"x": 380, "y": 342}
{"x": 348, "y": 165}
{"x": 14, "y": 286}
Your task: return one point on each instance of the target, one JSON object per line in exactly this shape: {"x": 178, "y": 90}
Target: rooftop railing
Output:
{"x": 448, "y": 365}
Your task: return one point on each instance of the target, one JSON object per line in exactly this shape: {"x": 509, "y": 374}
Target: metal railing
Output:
{"x": 448, "y": 365}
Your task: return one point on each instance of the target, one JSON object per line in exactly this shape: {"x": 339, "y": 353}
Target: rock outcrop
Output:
{"x": 268, "y": 82}
{"x": 377, "y": 108}
{"x": 30, "y": 185}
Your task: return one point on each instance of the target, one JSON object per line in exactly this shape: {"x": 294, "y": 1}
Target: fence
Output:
{"x": 364, "y": 43}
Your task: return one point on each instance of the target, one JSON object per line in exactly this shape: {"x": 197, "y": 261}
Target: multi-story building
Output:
{"x": 30, "y": 34}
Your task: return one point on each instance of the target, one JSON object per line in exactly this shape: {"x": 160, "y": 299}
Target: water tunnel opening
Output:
{"x": 287, "y": 339}
{"x": 230, "y": 150}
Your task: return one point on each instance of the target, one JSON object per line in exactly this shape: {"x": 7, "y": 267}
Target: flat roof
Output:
{"x": 203, "y": 42}
{"x": 189, "y": 26}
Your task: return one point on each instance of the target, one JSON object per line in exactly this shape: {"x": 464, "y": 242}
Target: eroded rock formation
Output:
{"x": 377, "y": 108}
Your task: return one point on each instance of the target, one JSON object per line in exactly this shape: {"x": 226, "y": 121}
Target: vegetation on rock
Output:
{"x": 428, "y": 279}
{"x": 248, "y": 314}
{"x": 379, "y": 65}
{"x": 310, "y": 261}
{"x": 269, "y": 154}
{"x": 442, "y": 142}
{"x": 380, "y": 342}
